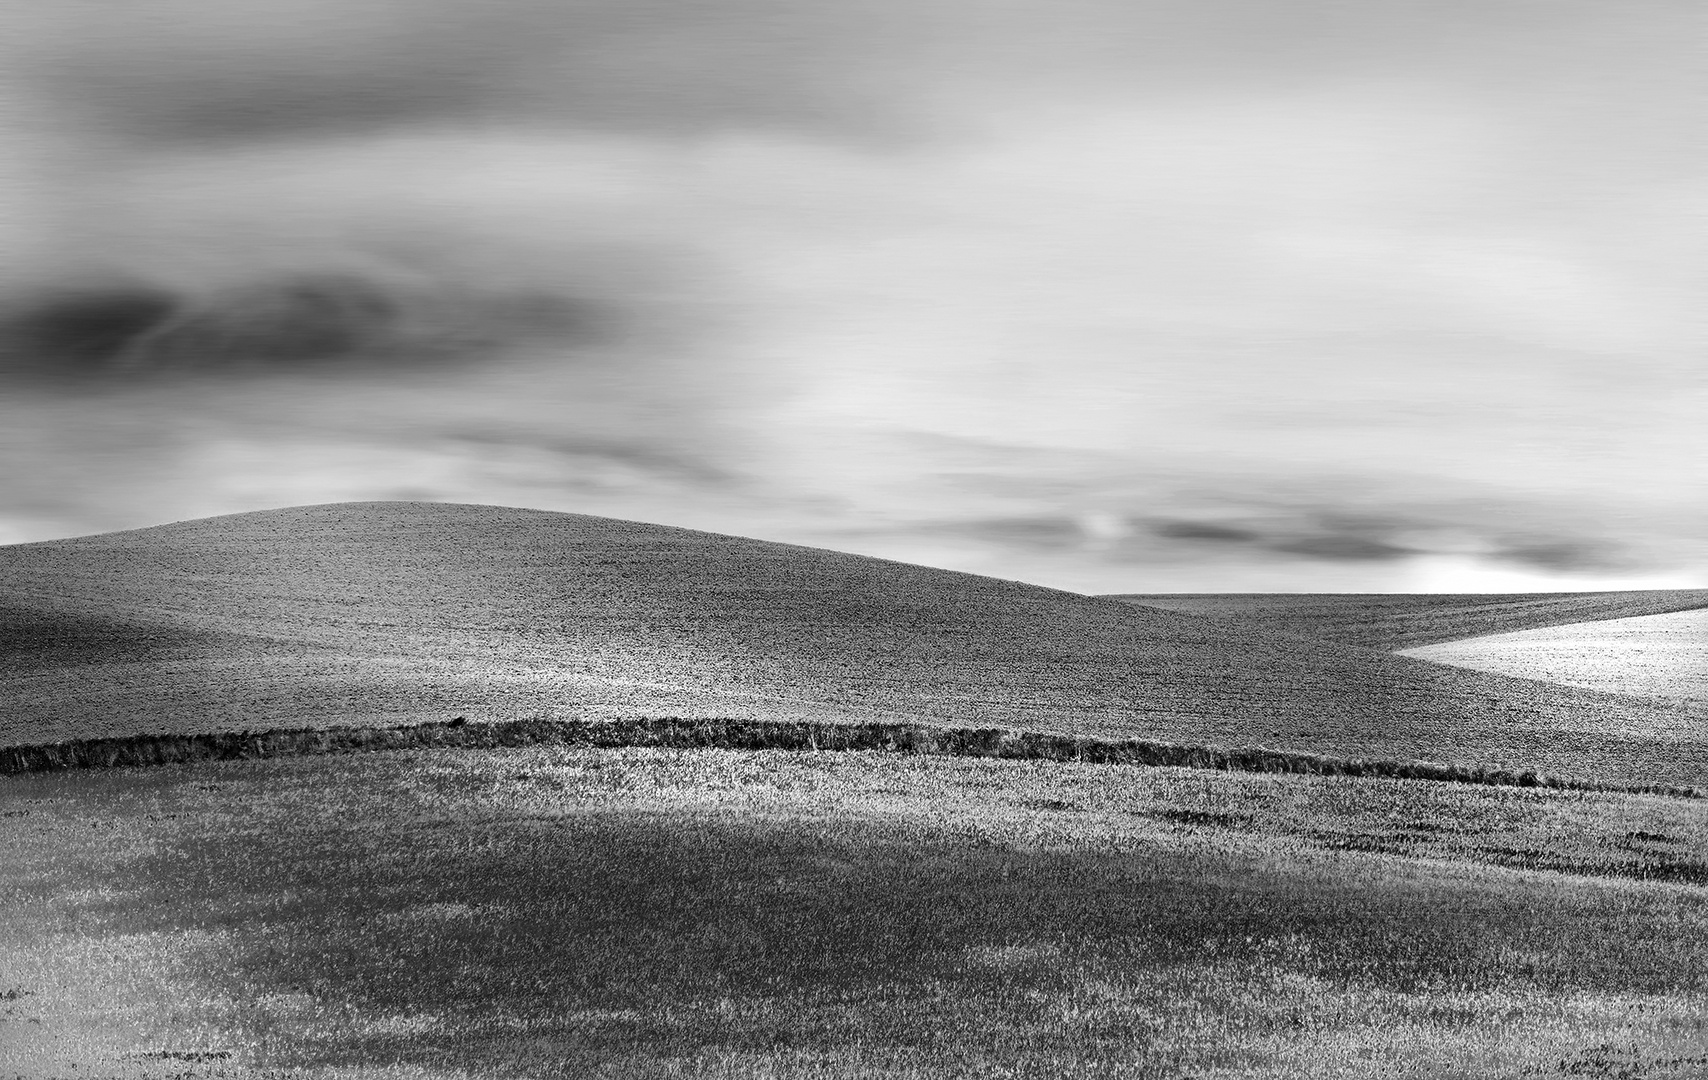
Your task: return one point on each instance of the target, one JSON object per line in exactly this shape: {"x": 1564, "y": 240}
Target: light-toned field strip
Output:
{"x": 1661, "y": 656}
{"x": 1395, "y": 622}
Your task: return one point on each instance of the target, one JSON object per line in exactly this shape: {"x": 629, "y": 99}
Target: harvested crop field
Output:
{"x": 1402, "y": 621}
{"x": 584, "y": 797}
{"x": 1656, "y": 656}
{"x": 373, "y": 613}
{"x": 644, "y": 912}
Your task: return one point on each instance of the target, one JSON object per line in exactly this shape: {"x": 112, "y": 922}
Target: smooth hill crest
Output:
{"x": 380, "y": 613}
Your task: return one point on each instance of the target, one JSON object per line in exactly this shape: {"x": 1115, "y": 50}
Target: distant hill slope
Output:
{"x": 1659, "y": 656}
{"x": 381, "y": 612}
{"x": 1395, "y": 621}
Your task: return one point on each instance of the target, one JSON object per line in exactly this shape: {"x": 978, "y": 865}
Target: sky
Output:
{"x": 1107, "y": 295}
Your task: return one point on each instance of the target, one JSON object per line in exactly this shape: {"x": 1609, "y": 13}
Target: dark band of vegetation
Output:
{"x": 757, "y": 735}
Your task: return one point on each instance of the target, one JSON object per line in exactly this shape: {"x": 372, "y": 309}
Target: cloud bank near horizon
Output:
{"x": 1121, "y": 297}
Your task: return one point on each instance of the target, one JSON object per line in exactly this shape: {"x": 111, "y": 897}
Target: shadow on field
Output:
{"x": 577, "y": 940}
{"x": 34, "y": 639}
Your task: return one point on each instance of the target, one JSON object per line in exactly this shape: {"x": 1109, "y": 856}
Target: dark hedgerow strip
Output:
{"x": 733, "y": 734}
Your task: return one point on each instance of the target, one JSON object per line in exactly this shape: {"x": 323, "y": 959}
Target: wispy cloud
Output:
{"x": 1116, "y": 295}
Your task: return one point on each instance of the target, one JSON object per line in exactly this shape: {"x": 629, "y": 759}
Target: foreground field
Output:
{"x": 371, "y": 613}
{"x": 1657, "y": 656}
{"x": 567, "y": 913}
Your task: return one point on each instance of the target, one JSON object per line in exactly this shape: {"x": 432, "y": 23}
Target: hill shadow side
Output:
{"x": 37, "y": 639}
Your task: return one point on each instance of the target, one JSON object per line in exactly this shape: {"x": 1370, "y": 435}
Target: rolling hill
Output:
{"x": 1397, "y": 621}
{"x": 391, "y": 612}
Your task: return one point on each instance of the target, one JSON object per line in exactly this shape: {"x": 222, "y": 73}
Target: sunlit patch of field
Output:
{"x": 1401, "y": 621}
{"x": 1657, "y": 656}
{"x": 709, "y": 913}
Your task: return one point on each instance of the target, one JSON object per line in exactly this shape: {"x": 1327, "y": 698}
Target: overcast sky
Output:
{"x": 1191, "y": 295}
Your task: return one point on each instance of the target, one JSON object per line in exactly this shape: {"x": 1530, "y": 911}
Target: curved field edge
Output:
{"x": 732, "y": 734}
{"x": 1397, "y": 621}
{"x": 1652, "y": 657}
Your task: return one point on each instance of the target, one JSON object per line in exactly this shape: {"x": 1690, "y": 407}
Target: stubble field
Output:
{"x": 1659, "y": 657}
{"x": 710, "y": 913}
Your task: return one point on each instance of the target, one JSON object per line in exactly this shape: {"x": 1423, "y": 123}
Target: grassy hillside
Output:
{"x": 718, "y": 914}
{"x": 381, "y": 612}
{"x": 1396, "y": 621}
{"x": 1659, "y": 656}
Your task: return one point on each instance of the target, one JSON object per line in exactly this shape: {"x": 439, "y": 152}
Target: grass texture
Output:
{"x": 381, "y": 613}
{"x": 654, "y": 912}
{"x": 1396, "y": 621}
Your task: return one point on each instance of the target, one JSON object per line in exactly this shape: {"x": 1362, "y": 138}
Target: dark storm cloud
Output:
{"x": 1574, "y": 555}
{"x": 299, "y": 322}
{"x": 260, "y": 69}
{"x": 81, "y": 329}
{"x": 96, "y": 330}
{"x": 200, "y": 71}
{"x": 1204, "y": 530}
{"x": 1355, "y": 548}
{"x": 224, "y": 71}
{"x": 1044, "y": 532}
{"x": 302, "y": 319}
{"x": 1360, "y": 535}
{"x": 1334, "y": 532}
{"x": 1117, "y": 539}
{"x": 1136, "y": 543}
